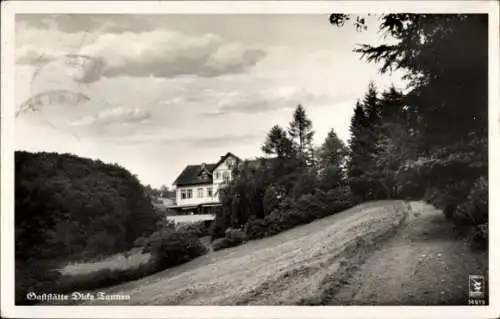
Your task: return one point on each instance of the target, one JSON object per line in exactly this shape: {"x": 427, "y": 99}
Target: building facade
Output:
{"x": 197, "y": 186}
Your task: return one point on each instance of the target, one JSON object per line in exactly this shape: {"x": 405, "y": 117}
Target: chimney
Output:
{"x": 203, "y": 166}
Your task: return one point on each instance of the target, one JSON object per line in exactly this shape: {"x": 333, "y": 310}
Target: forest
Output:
{"x": 427, "y": 141}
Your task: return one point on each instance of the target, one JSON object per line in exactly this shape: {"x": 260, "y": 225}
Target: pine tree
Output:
{"x": 300, "y": 130}
{"x": 333, "y": 151}
{"x": 357, "y": 152}
{"x": 277, "y": 143}
{"x": 371, "y": 104}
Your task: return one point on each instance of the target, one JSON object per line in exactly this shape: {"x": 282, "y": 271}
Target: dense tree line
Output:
{"x": 432, "y": 140}
{"x": 162, "y": 192}
{"x": 293, "y": 184}
{"x": 72, "y": 207}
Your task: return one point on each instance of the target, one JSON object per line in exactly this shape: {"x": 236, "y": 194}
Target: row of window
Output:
{"x": 188, "y": 193}
{"x": 224, "y": 176}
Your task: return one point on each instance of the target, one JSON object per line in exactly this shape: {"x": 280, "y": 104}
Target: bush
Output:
{"x": 449, "y": 197}
{"x": 166, "y": 223}
{"x": 313, "y": 205}
{"x": 199, "y": 228}
{"x": 177, "y": 247}
{"x": 305, "y": 184}
{"x": 234, "y": 237}
{"x": 221, "y": 223}
{"x": 338, "y": 199}
{"x": 270, "y": 201}
{"x": 281, "y": 220}
{"x": 141, "y": 242}
{"x": 220, "y": 243}
{"x": 474, "y": 211}
{"x": 255, "y": 228}
{"x": 153, "y": 241}
{"x": 478, "y": 236}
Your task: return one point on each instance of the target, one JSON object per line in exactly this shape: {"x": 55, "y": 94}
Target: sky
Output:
{"x": 154, "y": 93}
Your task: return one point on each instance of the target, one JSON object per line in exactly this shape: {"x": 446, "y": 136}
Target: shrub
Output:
{"x": 220, "y": 243}
{"x": 281, "y": 220}
{"x": 474, "y": 211}
{"x": 255, "y": 228}
{"x": 153, "y": 241}
{"x": 234, "y": 237}
{"x": 314, "y": 205}
{"x": 270, "y": 201}
{"x": 199, "y": 228}
{"x": 166, "y": 223}
{"x": 305, "y": 184}
{"x": 478, "y": 236}
{"x": 221, "y": 223}
{"x": 177, "y": 247}
{"x": 338, "y": 199}
{"x": 141, "y": 242}
{"x": 448, "y": 198}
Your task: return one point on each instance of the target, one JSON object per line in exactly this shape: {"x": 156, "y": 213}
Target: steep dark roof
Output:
{"x": 191, "y": 175}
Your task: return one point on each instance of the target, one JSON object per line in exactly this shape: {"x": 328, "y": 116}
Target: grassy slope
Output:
{"x": 288, "y": 268}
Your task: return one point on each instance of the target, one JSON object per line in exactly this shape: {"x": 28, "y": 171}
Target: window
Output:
{"x": 225, "y": 176}
{"x": 200, "y": 192}
{"x": 186, "y": 193}
{"x": 217, "y": 175}
{"x": 209, "y": 192}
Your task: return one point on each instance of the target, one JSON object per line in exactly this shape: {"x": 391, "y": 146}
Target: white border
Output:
{"x": 241, "y": 7}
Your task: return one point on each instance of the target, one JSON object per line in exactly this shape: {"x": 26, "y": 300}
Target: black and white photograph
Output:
{"x": 334, "y": 157}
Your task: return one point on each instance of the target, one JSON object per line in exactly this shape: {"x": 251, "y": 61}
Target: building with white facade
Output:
{"x": 197, "y": 187}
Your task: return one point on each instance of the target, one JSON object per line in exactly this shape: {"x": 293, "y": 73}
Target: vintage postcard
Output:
{"x": 250, "y": 159}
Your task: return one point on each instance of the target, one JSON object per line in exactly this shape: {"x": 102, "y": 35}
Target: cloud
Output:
{"x": 167, "y": 54}
{"x": 267, "y": 100}
{"x": 221, "y": 141}
{"x": 74, "y": 23}
{"x": 160, "y": 138}
{"x": 116, "y": 115}
{"x": 29, "y": 55}
{"x": 158, "y": 53}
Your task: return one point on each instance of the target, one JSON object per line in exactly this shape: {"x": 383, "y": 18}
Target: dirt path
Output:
{"x": 426, "y": 263}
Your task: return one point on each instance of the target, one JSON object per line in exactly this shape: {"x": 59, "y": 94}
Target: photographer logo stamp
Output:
{"x": 477, "y": 288}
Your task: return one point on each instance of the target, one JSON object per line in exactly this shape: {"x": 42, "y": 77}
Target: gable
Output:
{"x": 227, "y": 160}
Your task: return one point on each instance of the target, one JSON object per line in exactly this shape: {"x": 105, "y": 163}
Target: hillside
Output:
{"x": 378, "y": 253}
{"x": 72, "y": 208}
